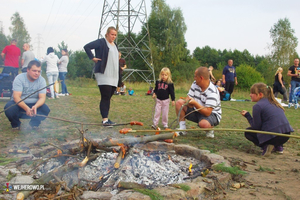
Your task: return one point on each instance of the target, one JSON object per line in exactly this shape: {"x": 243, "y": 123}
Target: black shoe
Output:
{"x": 108, "y": 123}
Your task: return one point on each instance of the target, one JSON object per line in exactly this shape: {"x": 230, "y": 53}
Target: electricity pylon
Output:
{"x": 126, "y": 18}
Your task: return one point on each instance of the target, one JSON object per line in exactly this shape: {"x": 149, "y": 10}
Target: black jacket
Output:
{"x": 101, "y": 51}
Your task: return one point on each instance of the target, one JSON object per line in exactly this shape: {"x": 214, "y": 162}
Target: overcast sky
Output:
{"x": 220, "y": 24}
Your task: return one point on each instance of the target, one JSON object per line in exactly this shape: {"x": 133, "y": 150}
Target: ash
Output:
{"x": 143, "y": 167}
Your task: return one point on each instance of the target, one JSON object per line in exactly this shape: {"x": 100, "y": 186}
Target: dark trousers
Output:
{"x": 276, "y": 141}
{"x": 229, "y": 87}
{"x": 11, "y": 70}
{"x": 16, "y": 112}
{"x": 106, "y": 92}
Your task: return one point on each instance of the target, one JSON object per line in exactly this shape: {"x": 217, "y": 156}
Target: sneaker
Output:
{"x": 290, "y": 105}
{"x": 180, "y": 133}
{"x": 60, "y": 94}
{"x": 267, "y": 150}
{"x": 156, "y": 128}
{"x": 210, "y": 134}
{"x": 17, "y": 128}
{"x": 35, "y": 128}
{"x": 108, "y": 123}
{"x": 278, "y": 149}
{"x": 296, "y": 106}
{"x": 67, "y": 94}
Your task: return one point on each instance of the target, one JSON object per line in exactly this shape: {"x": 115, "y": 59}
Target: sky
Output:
{"x": 220, "y": 24}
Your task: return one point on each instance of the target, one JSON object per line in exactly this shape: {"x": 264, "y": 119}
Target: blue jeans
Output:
{"x": 62, "y": 77}
{"x": 294, "y": 84}
{"x": 16, "y": 112}
{"x": 14, "y": 71}
{"x": 52, "y": 77}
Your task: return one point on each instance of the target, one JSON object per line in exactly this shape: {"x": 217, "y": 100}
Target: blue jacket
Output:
{"x": 101, "y": 51}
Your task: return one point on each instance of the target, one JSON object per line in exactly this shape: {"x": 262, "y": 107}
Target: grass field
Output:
{"x": 83, "y": 106}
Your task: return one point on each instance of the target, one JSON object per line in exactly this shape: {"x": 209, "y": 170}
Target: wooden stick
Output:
{"x": 220, "y": 129}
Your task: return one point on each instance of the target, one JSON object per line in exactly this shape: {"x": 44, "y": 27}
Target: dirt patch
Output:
{"x": 275, "y": 177}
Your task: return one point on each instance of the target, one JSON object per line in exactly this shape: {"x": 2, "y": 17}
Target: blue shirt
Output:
{"x": 229, "y": 73}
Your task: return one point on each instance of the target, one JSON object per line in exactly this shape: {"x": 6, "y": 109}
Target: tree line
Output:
{"x": 169, "y": 49}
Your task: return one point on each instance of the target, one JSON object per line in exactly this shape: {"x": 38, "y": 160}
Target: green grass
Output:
{"x": 83, "y": 106}
{"x": 232, "y": 170}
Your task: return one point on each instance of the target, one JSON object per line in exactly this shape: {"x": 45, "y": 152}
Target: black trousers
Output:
{"x": 106, "y": 92}
{"x": 276, "y": 141}
{"x": 229, "y": 87}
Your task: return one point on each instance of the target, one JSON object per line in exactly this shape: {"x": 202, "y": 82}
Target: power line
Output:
{"x": 48, "y": 16}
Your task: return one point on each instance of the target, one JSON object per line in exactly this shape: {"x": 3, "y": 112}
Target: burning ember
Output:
{"x": 142, "y": 167}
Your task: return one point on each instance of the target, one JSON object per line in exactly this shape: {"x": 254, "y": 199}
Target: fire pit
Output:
{"x": 153, "y": 165}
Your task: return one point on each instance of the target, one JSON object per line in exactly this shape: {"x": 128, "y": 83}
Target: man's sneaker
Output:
{"x": 210, "y": 134}
{"x": 16, "y": 128}
{"x": 267, "y": 150}
{"x": 108, "y": 123}
{"x": 35, "y": 128}
{"x": 278, "y": 149}
{"x": 180, "y": 133}
{"x": 296, "y": 105}
{"x": 290, "y": 105}
{"x": 67, "y": 94}
{"x": 60, "y": 94}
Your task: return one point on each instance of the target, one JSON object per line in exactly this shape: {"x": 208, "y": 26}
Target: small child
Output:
{"x": 123, "y": 89}
{"x": 268, "y": 115}
{"x": 163, "y": 88}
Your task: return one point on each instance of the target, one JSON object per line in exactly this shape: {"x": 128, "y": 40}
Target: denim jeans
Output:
{"x": 52, "y": 77}
{"x": 62, "y": 77}
{"x": 16, "y": 112}
{"x": 292, "y": 98}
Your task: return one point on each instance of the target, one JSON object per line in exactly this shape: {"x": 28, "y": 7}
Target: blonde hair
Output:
{"x": 267, "y": 91}
{"x": 211, "y": 68}
{"x": 168, "y": 72}
{"x": 279, "y": 69}
{"x": 110, "y": 29}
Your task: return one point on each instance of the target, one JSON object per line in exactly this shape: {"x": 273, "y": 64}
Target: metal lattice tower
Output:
{"x": 128, "y": 18}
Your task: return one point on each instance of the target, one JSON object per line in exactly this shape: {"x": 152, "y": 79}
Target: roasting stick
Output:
{"x": 128, "y": 130}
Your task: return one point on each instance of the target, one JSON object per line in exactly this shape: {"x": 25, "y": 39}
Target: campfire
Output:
{"x": 112, "y": 165}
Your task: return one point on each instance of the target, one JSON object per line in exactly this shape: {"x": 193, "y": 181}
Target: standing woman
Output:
{"x": 106, "y": 69}
{"x": 278, "y": 85}
{"x": 63, "y": 70}
{"x": 52, "y": 71}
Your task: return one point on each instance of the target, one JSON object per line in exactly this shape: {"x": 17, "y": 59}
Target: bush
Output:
{"x": 247, "y": 76}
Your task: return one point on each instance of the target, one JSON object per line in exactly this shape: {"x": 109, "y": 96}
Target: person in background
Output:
{"x": 202, "y": 104}
{"x": 63, "y": 70}
{"x": 26, "y": 84}
{"x": 106, "y": 69}
{"x": 229, "y": 77}
{"x": 11, "y": 56}
{"x": 27, "y": 56}
{"x": 294, "y": 73}
{"x": 278, "y": 85}
{"x": 122, "y": 65}
{"x": 164, "y": 88}
{"x": 52, "y": 70}
{"x": 268, "y": 115}
{"x": 123, "y": 89}
{"x": 212, "y": 78}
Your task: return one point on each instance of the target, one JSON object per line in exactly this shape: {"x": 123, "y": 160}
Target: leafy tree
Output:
{"x": 61, "y": 46}
{"x": 3, "y": 42}
{"x": 283, "y": 47}
{"x": 167, "y": 29}
{"x": 80, "y": 65}
{"x": 18, "y": 30}
{"x": 207, "y": 56}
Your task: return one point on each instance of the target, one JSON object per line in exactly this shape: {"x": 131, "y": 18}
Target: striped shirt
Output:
{"x": 208, "y": 98}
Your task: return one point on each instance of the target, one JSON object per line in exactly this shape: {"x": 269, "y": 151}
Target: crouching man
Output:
{"x": 26, "y": 84}
{"x": 203, "y": 104}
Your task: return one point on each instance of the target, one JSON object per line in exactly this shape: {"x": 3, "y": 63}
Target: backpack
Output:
{"x": 225, "y": 96}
